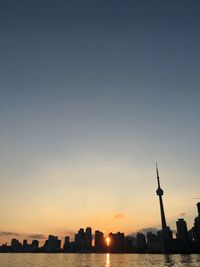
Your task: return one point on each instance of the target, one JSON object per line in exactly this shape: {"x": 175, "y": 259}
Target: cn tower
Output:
{"x": 160, "y": 193}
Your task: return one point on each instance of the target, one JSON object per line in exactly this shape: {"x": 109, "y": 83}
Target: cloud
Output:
{"x": 9, "y": 234}
{"x": 119, "y": 216}
{"x": 149, "y": 229}
{"x": 20, "y": 235}
{"x": 37, "y": 236}
{"x": 145, "y": 231}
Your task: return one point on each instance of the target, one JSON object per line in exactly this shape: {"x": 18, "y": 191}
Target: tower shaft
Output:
{"x": 162, "y": 213}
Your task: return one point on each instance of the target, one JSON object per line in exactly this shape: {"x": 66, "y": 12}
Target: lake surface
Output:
{"x": 97, "y": 260}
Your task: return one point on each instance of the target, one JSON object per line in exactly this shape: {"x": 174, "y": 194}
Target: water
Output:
{"x": 97, "y": 260}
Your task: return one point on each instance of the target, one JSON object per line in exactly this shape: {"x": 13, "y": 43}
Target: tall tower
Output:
{"x": 160, "y": 193}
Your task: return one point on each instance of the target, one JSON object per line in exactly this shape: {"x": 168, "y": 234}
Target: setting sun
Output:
{"x": 108, "y": 241}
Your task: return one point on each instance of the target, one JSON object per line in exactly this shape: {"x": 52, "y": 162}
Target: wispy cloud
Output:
{"x": 149, "y": 229}
{"x": 36, "y": 236}
{"x": 145, "y": 231}
{"x": 9, "y": 234}
{"x": 119, "y": 216}
{"x": 14, "y": 234}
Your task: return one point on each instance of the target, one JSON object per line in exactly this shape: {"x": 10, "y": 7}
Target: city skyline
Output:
{"x": 165, "y": 240}
{"x": 92, "y": 94}
{"x": 164, "y": 229}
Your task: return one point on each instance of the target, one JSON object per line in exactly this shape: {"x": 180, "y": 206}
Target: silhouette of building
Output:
{"x": 99, "y": 242}
{"x": 83, "y": 240}
{"x": 154, "y": 243}
{"x": 132, "y": 240}
{"x": 25, "y": 243}
{"x": 35, "y": 245}
{"x": 88, "y": 240}
{"x": 67, "y": 245}
{"x": 183, "y": 236}
{"x": 196, "y": 228}
{"x": 117, "y": 242}
{"x": 191, "y": 234}
{"x": 165, "y": 234}
{"x": 182, "y": 231}
{"x": 53, "y": 244}
{"x": 79, "y": 239}
{"x": 160, "y": 193}
{"x": 141, "y": 242}
{"x": 26, "y": 246}
{"x": 16, "y": 246}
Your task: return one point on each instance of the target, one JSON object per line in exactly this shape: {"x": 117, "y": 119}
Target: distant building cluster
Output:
{"x": 85, "y": 242}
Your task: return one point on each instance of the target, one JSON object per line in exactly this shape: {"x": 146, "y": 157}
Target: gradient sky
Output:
{"x": 92, "y": 94}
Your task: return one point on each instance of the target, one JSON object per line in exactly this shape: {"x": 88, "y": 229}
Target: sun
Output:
{"x": 108, "y": 241}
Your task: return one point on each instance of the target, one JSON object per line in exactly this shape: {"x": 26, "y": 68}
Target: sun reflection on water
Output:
{"x": 107, "y": 260}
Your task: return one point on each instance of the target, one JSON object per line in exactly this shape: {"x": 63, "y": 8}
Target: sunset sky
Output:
{"x": 92, "y": 94}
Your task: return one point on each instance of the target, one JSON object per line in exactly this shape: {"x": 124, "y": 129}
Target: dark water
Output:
{"x": 97, "y": 260}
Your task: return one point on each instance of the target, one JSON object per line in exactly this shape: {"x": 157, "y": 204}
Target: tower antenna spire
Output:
{"x": 158, "y": 177}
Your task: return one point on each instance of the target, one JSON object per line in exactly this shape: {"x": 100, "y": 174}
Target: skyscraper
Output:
{"x": 196, "y": 228}
{"x": 88, "y": 239}
{"x": 100, "y": 244}
{"x": 141, "y": 242}
{"x": 182, "y": 236}
{"x": 53, "y": 244}
{"x": 182, "y": 231}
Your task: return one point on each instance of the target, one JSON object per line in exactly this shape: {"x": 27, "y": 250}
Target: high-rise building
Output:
{"x": 182, "y": 231}
{"x": 196, "y": 228}
{"x": 66, "y": 245}
{"x": 99, "y": 242}
{"x": 16, "y": 246}
{"x": 53, "y": 244}
{"x": 141, "y": 242}
{"x": 83, "y": 240}
{"x": 185, "y": 243}
{"x": 35, "y": 245}
{"x": 117, "y": 242}
{"x": 154, "y": 243}
{"x": 88, "y": 239}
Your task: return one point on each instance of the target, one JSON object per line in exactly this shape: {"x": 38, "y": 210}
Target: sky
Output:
{"x": 92, "y": 95}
